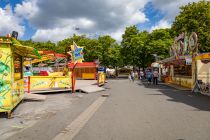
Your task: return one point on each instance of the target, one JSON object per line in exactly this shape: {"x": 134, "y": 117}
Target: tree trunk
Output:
{"x": 116, "y": 72}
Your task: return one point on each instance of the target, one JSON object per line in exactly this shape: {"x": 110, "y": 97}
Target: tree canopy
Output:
{"x": 195, "y": 17}
{"x": 139, "y": 48}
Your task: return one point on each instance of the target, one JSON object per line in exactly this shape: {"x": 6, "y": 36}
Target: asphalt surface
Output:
{"x": 133, "y": 111}
{"x": 137, "y": 111}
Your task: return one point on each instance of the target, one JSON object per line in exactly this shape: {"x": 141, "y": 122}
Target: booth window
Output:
{"x": 185, "y": 70}
{"x": 18, "y": 71}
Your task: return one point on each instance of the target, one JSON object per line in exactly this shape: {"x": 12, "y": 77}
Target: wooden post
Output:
{"x": 73, "y": 78}
{"x": 29, "y": 83}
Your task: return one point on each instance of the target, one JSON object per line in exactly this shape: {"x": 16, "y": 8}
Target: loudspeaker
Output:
{"x": 14, "y": 34}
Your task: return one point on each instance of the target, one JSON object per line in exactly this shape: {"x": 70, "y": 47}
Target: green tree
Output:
{"x": 91, "y": 49}
{"x": 66, "y": 43}
{"x": 160, "y": 41}
{"x": 195, "y": 17}
{"x": 127, "y": 50}
{"x": 42, "y": 46}
{"x": 141, "y": 51}
{"x": 106, "y": 42}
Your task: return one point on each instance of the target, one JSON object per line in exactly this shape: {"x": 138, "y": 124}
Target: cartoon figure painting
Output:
{"x": 5, "y": 59}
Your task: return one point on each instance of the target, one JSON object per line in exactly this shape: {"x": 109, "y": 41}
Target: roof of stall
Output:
{"x": 203, "y": 56}
{"x": 83, "y": 65}
{"x": 20, "y": 49}
{"x": 171, "y": 59}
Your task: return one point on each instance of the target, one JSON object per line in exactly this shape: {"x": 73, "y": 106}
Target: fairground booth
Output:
{"x": 185, "y": 66}
{"x": 84, "y": 70}
{"x": 12, "y": 54}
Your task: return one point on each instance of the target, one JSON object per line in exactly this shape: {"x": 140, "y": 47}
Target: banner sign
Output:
{"x": 188, "y": 60}
{"x": 76, "y": 53}
{"x": 47, "y": 82}
{"x": 185, "y": 44}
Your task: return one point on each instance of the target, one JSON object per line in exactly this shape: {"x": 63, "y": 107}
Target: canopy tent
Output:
{"x": 25, "y": 51}
{"x": 203, "y": 56}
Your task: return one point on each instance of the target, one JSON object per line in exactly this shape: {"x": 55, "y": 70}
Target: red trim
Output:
{"x": 82, "y": 65}
{"x": 95, "y": 74}
{"x": 60, "y": 55}
{"x": 29, "y": 83}
{"x": 52, "y": 53}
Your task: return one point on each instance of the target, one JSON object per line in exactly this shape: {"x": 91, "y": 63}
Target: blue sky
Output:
{"x": 43, "y": 20}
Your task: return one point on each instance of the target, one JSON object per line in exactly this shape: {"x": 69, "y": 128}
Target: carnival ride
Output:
{"x": 51, "y": 62}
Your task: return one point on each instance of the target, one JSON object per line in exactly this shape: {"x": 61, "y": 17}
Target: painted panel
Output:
{"x": 183, "y": 81}
{"x": 46, "y": 82}
{"x": 5, "y": 78}
{"x": 203, "y": 71}
{"x": 101, "y": 78}
{"x": 88, "y": 75}
{"x": 63, "y": 82}
{"x": 18, "y": 91}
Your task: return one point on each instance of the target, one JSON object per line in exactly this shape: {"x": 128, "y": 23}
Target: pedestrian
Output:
{"x": 149, "y": 76}
{"x": 155, "y": 77}
{"x": 129, "y": 77}
{"x": 132, "y": 76}
{"x": 141, "y": 75}
{"x": 136, "y": 75}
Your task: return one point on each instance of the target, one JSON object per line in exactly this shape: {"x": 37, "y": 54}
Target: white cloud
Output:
{"x": 55, "y": 19}
{"x": 26, "y": 9}
{"x": 54, "y": 35}
{"x": 118, "y": 35}
{"x": 170, "y": 7}
{"x": 162, "y": 24}
{"x": 64, "y": 30}
{"x": 9, "y": 22}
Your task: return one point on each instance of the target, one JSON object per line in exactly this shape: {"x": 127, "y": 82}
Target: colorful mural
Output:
{"x": 185, "y": 44}
{"x": 11, "y": 72}
{"x": 47, "y": 82}
{"x": 5, "y": 81}
{"x": 76, "y": 53}
{"x": 101, "y": 78}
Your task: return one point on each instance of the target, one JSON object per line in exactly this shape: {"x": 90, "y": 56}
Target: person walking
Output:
{"x": 129, "y": 77}
{"x": 155, "y": 77}
{"x": 132, "y": 76}
{"x": 149, "y": 76}
{"x": 141, "y": 75}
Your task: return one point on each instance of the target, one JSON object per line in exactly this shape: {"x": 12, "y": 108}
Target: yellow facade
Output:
{"x": 11, "y": 72}
{"x": 88, "y": 75}
{"x": 203, "y": 71}
{"x": 183, "y": 81}
{"x": 200, "y": 71}
{"x": 47, "y": 82}
{"x": 11, "y": 90}
{"x": 101, "y": 78}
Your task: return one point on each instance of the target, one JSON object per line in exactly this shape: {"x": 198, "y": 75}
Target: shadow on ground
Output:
{"x": 201, "y": 102}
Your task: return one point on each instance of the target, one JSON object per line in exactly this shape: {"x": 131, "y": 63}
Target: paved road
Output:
{"x": 134, "y": 111}
{"x": 139, "y": 112}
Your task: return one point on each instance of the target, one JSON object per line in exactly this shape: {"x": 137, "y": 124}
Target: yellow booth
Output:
{"x": 11, "y": 72}
{"x": 186, "y": 66}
